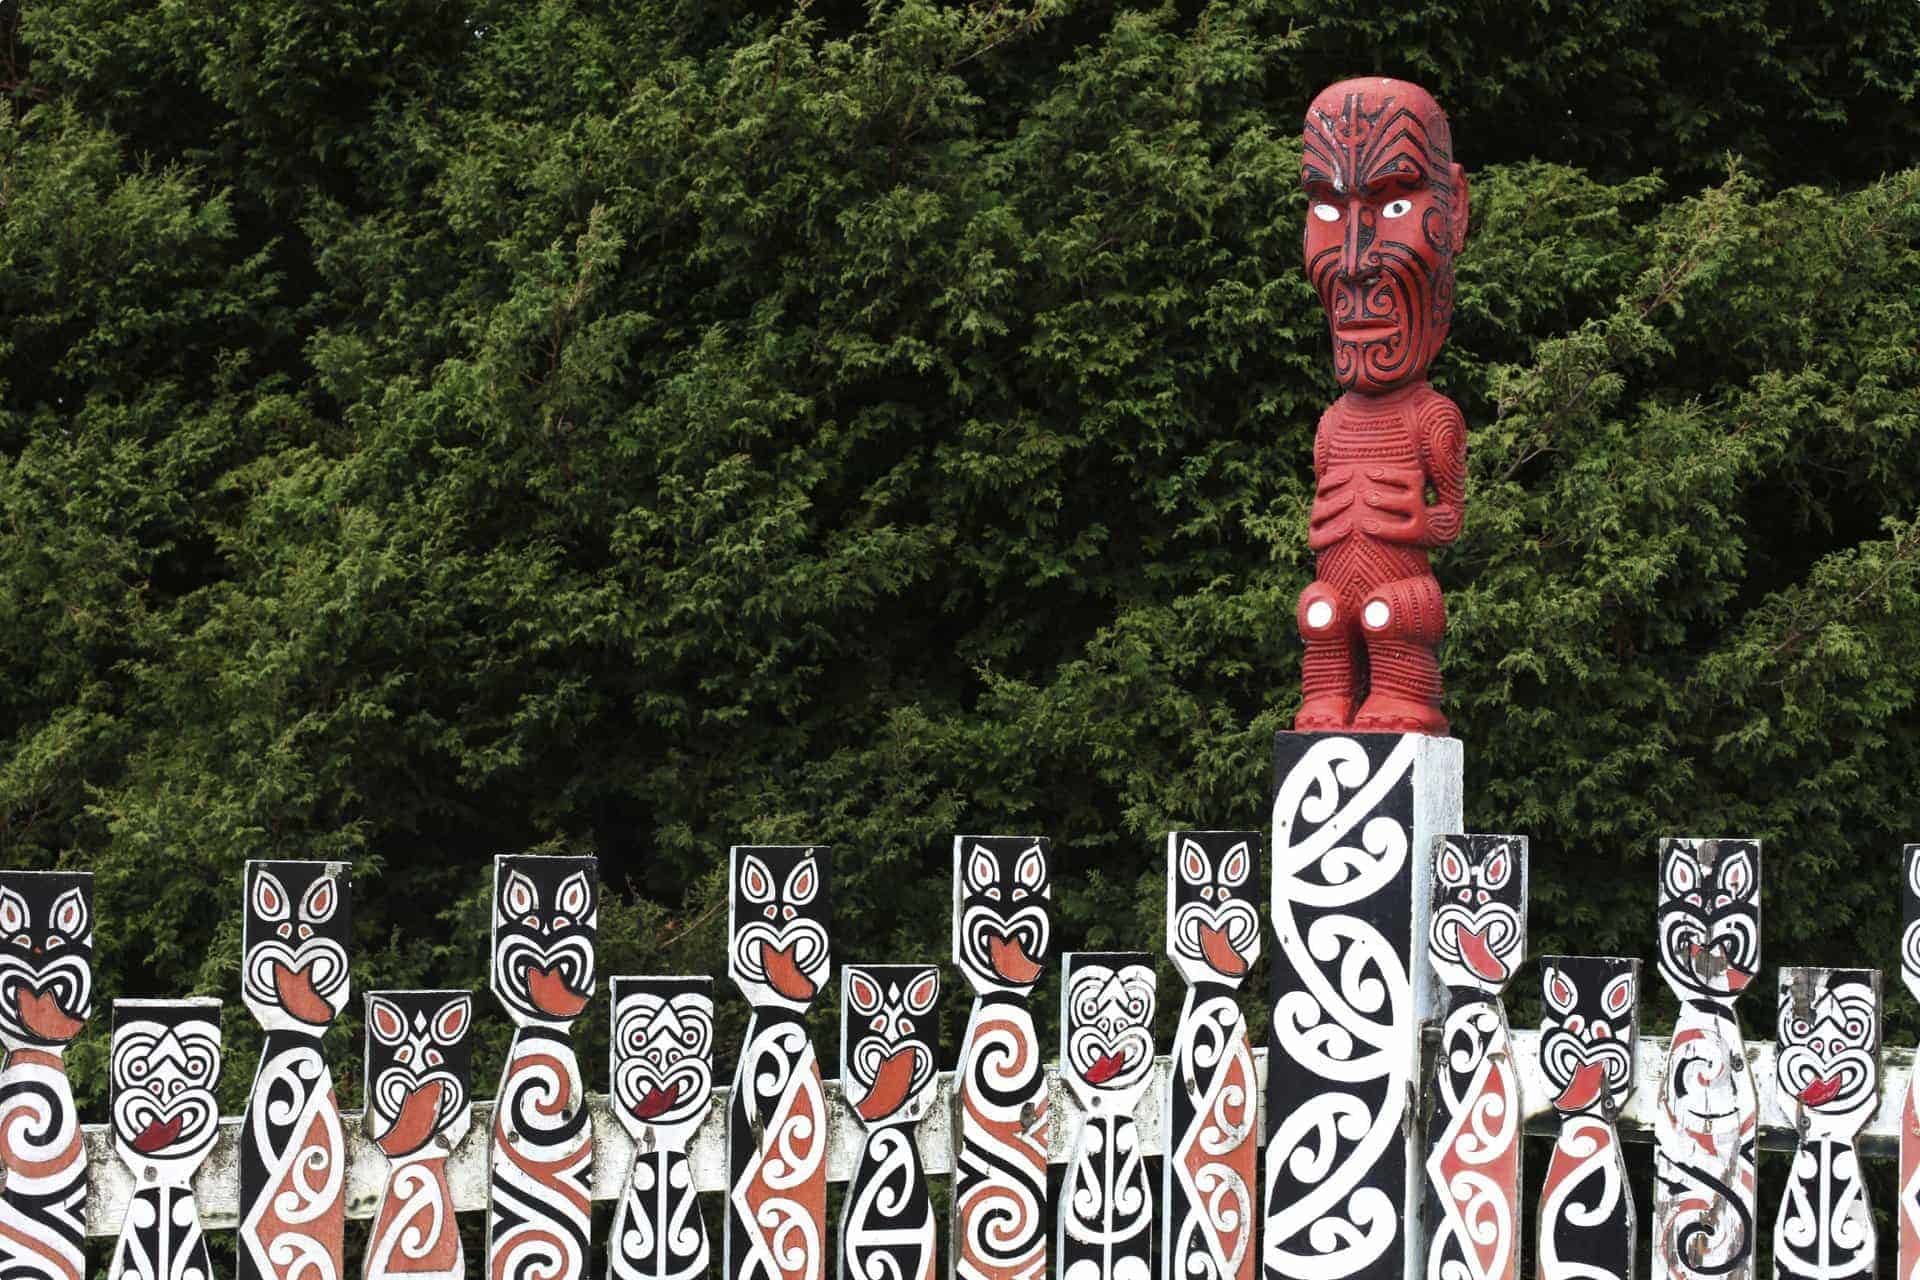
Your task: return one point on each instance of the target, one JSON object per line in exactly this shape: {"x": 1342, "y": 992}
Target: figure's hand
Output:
{"x": 1443, "y": 523}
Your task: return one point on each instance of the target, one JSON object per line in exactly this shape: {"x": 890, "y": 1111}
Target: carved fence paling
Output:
{"x": 1388, "y": 1104}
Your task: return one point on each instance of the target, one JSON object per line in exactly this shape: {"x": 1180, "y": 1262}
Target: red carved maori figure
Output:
{"x": 1386, "y": 213}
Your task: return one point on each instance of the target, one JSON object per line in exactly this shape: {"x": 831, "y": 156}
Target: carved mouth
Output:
{"x": 1584, "y": 1089}
{"x": 298, "y": 996}
{"x": 1008, "y": 958}
{"x": 784, "y": 975}
{"x": 1105, "y": 1067}
{"x": 551, "y": 995}
{"x": 1478, "y": 956}
{"x": 1821, "y": 1090}
{"x": 656, "y": 1102}
{"x": 1220, "y": 953}
{"x": 41, "y": 1014}
{"x": 891, "y": 1084}
{"x": 415, "y": 1124}
{"x": 159, "y": 1135}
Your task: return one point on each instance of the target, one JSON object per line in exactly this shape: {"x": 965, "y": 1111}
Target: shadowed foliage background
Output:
{"x": 430, "y": 430}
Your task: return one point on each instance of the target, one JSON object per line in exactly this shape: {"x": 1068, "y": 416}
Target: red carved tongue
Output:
{"x": 891, "y": 1084}
{"x": 297, "y": 996}
{"x": 1105, "y": 1067}
{"x": 1220, "y": 953}
{"x": 1821, "y": 1090}
{"x": 1737, "y": 979}
{"x": 656, "y": 1103}
{"x": 42, "y": 1015}
{"x": 158, "y": 1135}
{"x": 1009, "y": 960}
{"x": 1584, "y": 1089}
{"x": 551, "y": 994}
{"x": 414, "y": 1125}
{"x": 1479, "y": 956}
{"x": 785, "y": 975}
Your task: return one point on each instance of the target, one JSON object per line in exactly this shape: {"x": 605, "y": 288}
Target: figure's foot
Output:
{"x": 1385, "y": 713}
{"x": 1322, "y": 714}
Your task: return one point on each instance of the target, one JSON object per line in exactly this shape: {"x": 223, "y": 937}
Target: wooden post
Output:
{"x": 1828, "y": 1079}
{"x": 1908, "y": 1193}
{"x": 1709, "y": 1116}
{"x": 1476, "y": 938}
{"x": 1208, "y": 1202}
{"x": 546, "y": 913}
{"x": 1105, "y": 1227}
{"x": 779, "y": 957}
{"x": 419, "y": 1094}
{"x": 165, "y": 1062}
{"x": 1587, "y": 1043}
{"x": 46, "y": 996}
{"x": 295, "y": 927}
{"x": 662, "y": 1091}
{"x": 1002, "y": 940}
{"x": 1354, "y": 819}
{"x": 889, "y": 1062}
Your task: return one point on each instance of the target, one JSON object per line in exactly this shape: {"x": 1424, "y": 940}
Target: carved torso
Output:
{"x": 1375, "y": 461}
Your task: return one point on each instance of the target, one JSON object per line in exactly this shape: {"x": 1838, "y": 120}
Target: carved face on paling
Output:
{"x": 1829, "y": 1067}
{"x": 46, "y": 957}
{"x": 1709, "y": 917}
{"x": 1478, "y": 926}
{"x": 780, "y": 957}
{"x": 889, "y": 1040}
{"x": 1386, "y": 213}
{"x": 419, "y": 1069}
{"x": 1213, "y": 922}
{"x": 1106, "y": 1027}
{"x": 1591, "y": 1027}
{"x": 165, "y": 1063}
{"x": 546, "y": 915}
{"x": 293, "y": 949}
{"x": 1002, "y": 911}
{"x": 662, "y": 1053}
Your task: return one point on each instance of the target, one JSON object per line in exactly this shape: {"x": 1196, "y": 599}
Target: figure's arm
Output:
{"x": 1443, "y": 447}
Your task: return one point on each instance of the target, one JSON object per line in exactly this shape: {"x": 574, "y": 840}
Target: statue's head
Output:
{"x": 1386, "y": 212}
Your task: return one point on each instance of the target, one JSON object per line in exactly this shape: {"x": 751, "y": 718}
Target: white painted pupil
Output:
{"x": 1326, "y": 212}
{"x": 1397, "y": 209}
{"x": 1376, "y": 614}
{"x": 1319, "y": 613}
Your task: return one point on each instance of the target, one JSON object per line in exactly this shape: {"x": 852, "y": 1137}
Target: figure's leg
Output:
{"x": 1402, "y": 622}
{"x": 1326, "y": 670}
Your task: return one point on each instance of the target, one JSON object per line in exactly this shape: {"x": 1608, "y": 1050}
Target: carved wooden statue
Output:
{"x": 1476, "y": 936}
{"x": 419, "y": 1070}
{"x": 1828, "y": 1075}
{"x": 165, "y": 1064}
{"x": 1002, "y": 941}
{"x": 293, "y": 1149}
{"x": 1908, "y": 1202}
{"x": 662, "y": 1090}
{"x": 1209, "y": 1202}
{"x": 777, "y": 1111}
{"x": 1709, "y": 950}
{"x": 1587, "y": 1044}
{"x": 889, "y": 1061}
{"x": 1105, "y": 1226}
{"x": 546, "y": 913}
{"x": 1386, "y": 213}
{"x": 46, "y": 996}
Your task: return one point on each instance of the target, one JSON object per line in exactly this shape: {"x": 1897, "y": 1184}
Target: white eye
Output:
{"x": 1397, "y": 209}
{"x": 1326, "y": 212}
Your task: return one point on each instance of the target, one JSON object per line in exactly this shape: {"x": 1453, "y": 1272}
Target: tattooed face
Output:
{"x": 1830, "y": 1042}
{"x": 662, "y": 1053}
{"x": 165, "y": 1064}
{"x": 1002, "y": 911}
{"x": 1106, "y": 1025}
{"x": 419, "y": 1067}
{"x": 546, "y": 913}
{"x": 1213, "y": 922}
{"x": 1592, "y": 1024}
{"x": 779, "y": 957}
{"x": 293, "y": 966}
{"x": 1709, "y": 917}
{"x": 1386, "y": 213}
{"x": 889, "y": 1039}
{"x": 1479, "y": 909}
{"x": 46, "y": 957}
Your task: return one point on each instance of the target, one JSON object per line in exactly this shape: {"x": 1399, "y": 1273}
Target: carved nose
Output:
{"x": 1356, "y": 263}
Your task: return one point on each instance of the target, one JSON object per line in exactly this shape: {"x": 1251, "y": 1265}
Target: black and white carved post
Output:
{"x": 165, "y": 1064}
{"x": 1208, "y": 1200}
{"x": 1002, "y": 941}
{"x": 1476, "y": 937}
{"x": 546, "y": 914}
{"x": 419, "y": 1092}
{"x": 662, "y": 1090}
{"x": 293, "y": 1148}
{"x": 1105, "y": 1225}
{"x": 1908, "y": 1210}
{"x": 1709, "y": 1116}
{"x": 1354, "y": 820}
{"x": 889, "y": 1062}
{"x": 46, "y": 997}
{"x": 779, "y": 957}
{"x": 1828, "y": 1076}
{"x": 1587, "y": 1043}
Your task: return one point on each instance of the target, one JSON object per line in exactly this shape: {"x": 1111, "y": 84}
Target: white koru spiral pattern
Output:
{"x": 414, "y": 1235}
{"x": 1208, "y": 1175}
{"x": 776, "y": 1138}
{"x": 1000, "y": 1180}
{"x": 1473, "y": 1164}
{"x": 1105, "y": 1230}
{"x": 539, "y": 1213}
{"x": 658, "y": 1233}
{"x": 1586, "y": 1214}
{"x": 887, "y": 1230}
{"x": 43, "y": 1199}
{"x": 1825, "y": 1228}
{"x": 161, "y": 1238}
{"x": 292, "y": 1167}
